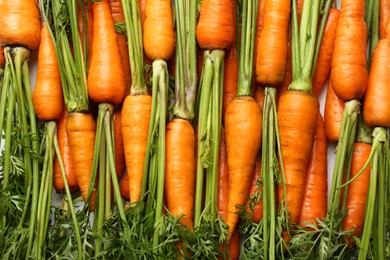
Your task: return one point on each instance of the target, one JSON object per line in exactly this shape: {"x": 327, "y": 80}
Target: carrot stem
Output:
{"x": 381, "y": 207}
{"x": 373, "y": 26}
{"x": 101, "y": 192}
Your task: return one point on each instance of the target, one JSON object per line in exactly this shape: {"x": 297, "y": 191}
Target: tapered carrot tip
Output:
{"x": 243, "y": 138}
{"x": 180, "y": 169}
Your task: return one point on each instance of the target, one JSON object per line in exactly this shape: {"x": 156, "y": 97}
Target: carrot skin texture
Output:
{"x": 259, "y": 96}
{"x": 20, "y": 23}
{"x": 63, "y": 144}
{"x": 215, "y": 29}
{"x": 106, "y": 82}
{"x": 288, "y": 78}
{"x": 243, "y": 139}
{"x": 118, "y": 16}
{"x": 135, "y": 124}
{"x": 376, "y": 109}
{"x": 315, "y": 195}
{"x": 258, "y": 208}
{"x": 333, "y": 114}
{"x": 2, "y": 58}
{"x": 223, "y": 179}
{"x": 234, "y": 246}
{"x": 384, "y": 15}
{"x": 119, "y": 151}
{"x": 357, "y": 191}
{"x": 230, "y": 81}
{"x": 124, "y": 187}
{"x": 296, "y": 142}
{"x": 81, "y": 129}
{"x": 142, "y": 10}
{"x": 47, "y": 94}
{"x": 158, "y": 35}
{"x": 272, "y": 53}
{"x": 180, "y": 169}
{"x": 349, "y": 71}
{"x": 326, "y": 50}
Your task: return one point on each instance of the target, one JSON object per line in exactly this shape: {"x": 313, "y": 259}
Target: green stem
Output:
{"x": 381, "y": 226}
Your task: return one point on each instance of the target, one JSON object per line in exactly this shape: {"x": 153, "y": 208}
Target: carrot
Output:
{"x": 288, "y": 78}
{"x": 230, "y": 78}
{"x": 20, "y": 23}
{"x": 384, "y": 14}
{"x": 376, "y": 110}
{"x": 259, "y": 28}
{"x": 243, "y": 116}
{"x": 272, "y": 53}
{"x": 259, "y": 96}
{"x": 254, "y": 188}
{"x": 119, "y": 152}
{"x": 357, "y": 191}
{"x": 333, "y": 114}
{"x": 215, "y": 29}
{"x": 349, "y": 72}
{"x": 2, "y": 59}
{"x": 135, "y": 122}
{"x": 80, "y": 128}
{"x": 180, "y": 169}
{"x": 234, "y": 246}
{"x": 223, "y": 179}
{"x": 124, "y": 187}
{"x": 47, "y": 94}
{"x": 299, "y": 8}
{"x": 326, "y": 50}
{"x": 63, "y": 144}
{"x": 296, "y": 141}
{"x": 142, "y": 10}
{"x": 315, "y": 196}
{"x": 106, "y": 82}
{"x": 85, "y": 25}
{"x": 158, "y": 30}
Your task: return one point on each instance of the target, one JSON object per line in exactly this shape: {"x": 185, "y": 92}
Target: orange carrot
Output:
{"x": 119, "y": 152}
{"x": 124, "y": 187}
{"x": 243, "y": 138}
{"x": 81, "y": 128}
{"x": 288, "y": 78}
{"x": 357, "y": 191}
{"x": 326, "y": 51}
{"x": 315, "y": 196}
{"x": 376, "y": 109}
{"x": 63, "y": 144}
{"x": 2, "y": 59}
{"x": 384, "y": 14}
{"x": 230, "y": 78}
{"x": 180, "y": 169}
{"x": 259, "y": 28}
{"x": 296, "y": 140}
{"x": 272, "y": 53}
{"x": 349, "y": 72}
{"x": 135, "y": 123}
{"x": 215, "y": 29}
{"x": 259, "y": 96}
{"x": 299, "y": 8}
{"x": 234, "y": 246}
{"x": 333, "y": 115}
{"x": 158, "y": 34}
{"x": 105, "y": 77}
{"x": 47, "y": 94}
{"x": 258, "y": 207}
{"x": 223, "y": 179}
{"x": 142, "y": 10}
{"x": 117, "y": 16}
{"x": 20, "y": 23}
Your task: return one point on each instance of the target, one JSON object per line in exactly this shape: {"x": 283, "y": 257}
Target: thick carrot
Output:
{"x": 254, "y": 188}
{"x": 326, "y": 50}
{"x": 349, "y": 71}
{"x": 180, "y": 169}
{"x": 63, "y": 144}
{"x": 230, "y": 78}
{"x": 288, "y": 78}
{"x": 333, "y": 114}
{"x": 20, "y": 23}
{"x": 81, "y": 128}
{"x": 117, "y": 16}
{"x": 376, "y": 109}
{"x": 124, "y": 187}
{"x": 215, "y": 29}
{"x": 119, "y": 151}
{"x": 135, "y": 123}
{"x": 259, "y": 28}
{"x": 158, "y": 32}
{"x": 223, "y": 179}
{"x": 47, "y": 94}
{"x": 272, "y": 53}
{"x": 243, "y": 138}
{"x": 106, "y": 82}
{"x": 296, "y": 140}
{"x": 315, "y": 196}
{"x": 384, "y": 15}
{"x": 357, "y": 191}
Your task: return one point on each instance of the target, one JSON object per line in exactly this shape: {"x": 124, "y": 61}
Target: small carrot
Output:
{"x": 234, "y": 246}
{"x": 215, "y": 29}
{"x": 124, "y": 187}
{"x": 158, "y": 34}
{"x": 223, "y": 179}
{"x": 315, "y": 196}
{"x": 333, "y": 114}
{"x": 357, "y": 191}
{"x": 230, "y": 78}
{"x": 326, "y": 50}
{"x": 63, "y": 144}
{"x": 254, "y": 188}
{"x": 384, "y": 14}
{"x": 20, "y": 23}
{"x": 180, "y": 162}
{"x": 47, "y": 94}
{"x": 106, "y": 82}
